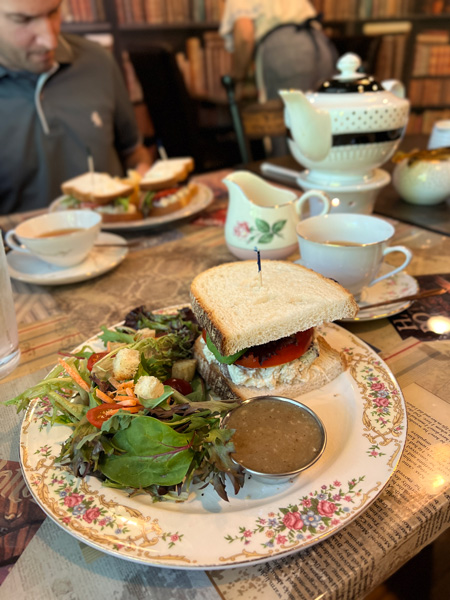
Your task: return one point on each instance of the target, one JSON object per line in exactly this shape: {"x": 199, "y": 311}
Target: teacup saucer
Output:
{"x": 399, "y": 285}
{"x": 28, "y": 268}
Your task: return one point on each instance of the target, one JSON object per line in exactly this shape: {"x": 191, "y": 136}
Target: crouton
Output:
{"x": 148, "y": 387}
{"x": 125, "y": 363}
{"x": 144, "y": 333}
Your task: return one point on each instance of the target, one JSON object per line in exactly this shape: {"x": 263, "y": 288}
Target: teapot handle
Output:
{"x": 322, "y": 196}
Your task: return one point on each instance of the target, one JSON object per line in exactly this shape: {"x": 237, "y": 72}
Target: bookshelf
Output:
{"x": 414, "y": 46}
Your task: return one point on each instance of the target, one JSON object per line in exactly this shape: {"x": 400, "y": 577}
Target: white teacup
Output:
{"x": 60, "y": 238}
{"x": 348, "y": 248}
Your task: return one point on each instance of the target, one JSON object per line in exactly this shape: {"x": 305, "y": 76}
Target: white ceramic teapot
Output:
{"x": 349, "y": 127}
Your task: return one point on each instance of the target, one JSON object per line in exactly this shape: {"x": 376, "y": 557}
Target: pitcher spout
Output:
{"x": 310, "y": 126}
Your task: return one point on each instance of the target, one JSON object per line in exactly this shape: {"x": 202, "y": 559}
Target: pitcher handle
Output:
{"x": 322, "y": 196}
{"x": 408, "y": 257}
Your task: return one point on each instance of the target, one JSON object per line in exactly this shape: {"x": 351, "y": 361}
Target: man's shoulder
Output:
{"x": 81, "y": 46}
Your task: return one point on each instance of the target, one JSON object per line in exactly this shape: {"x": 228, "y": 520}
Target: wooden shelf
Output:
{"x": 416, "y": 108}
{"x": 81, "y": 28}
{"x": 143, "y": 27}
{"x": 430, "y": 76}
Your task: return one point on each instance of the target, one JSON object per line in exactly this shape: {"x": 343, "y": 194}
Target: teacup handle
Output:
{"x": 408, "y": 257}
{"x": 316, "y": 194}
{"x": 11, "y": 240}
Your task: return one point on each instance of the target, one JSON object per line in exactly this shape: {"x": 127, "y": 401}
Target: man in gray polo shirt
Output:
{"x": 61, "y": 97}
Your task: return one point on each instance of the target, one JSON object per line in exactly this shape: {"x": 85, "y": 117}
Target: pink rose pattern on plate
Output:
{"x": 298, "y": 524}
{"x": 312, "y": 516}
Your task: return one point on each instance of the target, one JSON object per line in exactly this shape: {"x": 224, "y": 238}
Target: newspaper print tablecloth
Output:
{"x": 411, "y": 512}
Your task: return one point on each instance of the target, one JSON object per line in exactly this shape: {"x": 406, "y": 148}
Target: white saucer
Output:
{"x": 391, "y": 288}
{"x": 28, "y": 268}
{"x": 378, "y": 178}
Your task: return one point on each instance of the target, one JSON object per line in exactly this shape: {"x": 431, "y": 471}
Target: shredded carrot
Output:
{"x": 129, "y": 391}
{"x": 125, "y": 384}
{"x": 129, "y": 402}
{"x": 103, "y": 397}
{"x": 74, "y": 375}
{"x": 132, "y": 409}
{"x": 121, "y": 398}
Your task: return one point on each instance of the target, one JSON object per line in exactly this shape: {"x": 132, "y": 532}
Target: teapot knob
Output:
{"x": 348, "y": 65}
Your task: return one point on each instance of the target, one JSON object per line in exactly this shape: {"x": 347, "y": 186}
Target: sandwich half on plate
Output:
{"x": 114, "y": 198}
{"x": 164, "y": 186}
{"x": 259, "y": 331}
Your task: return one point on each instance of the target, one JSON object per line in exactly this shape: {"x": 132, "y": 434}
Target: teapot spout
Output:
{"x": 395, "y": 87}
{"x": 310, "y": 126}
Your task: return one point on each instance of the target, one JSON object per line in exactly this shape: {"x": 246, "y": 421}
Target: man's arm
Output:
{"x": 244, "y": 45}
{"x": 138, "y": 159}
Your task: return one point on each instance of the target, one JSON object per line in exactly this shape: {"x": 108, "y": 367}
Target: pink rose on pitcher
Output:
{"x": 241, "y": 229}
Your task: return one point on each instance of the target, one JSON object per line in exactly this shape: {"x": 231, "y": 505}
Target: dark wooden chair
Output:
{"x": 254, "y": 122}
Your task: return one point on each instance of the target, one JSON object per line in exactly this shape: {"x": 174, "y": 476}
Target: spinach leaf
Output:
{"x": 114, "y": 335}
{"x": 228, "y": 360}
{"x": 152, "y": 454}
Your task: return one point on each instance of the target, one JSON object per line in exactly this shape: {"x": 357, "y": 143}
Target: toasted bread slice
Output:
{"x": 100, "y": 188}
{"x": 239, "y": 310}
{"x": 325, "y": 368}
{"x": 173, "y": 202}
{"x": 166, "y": 173}
{"x": 117, "y": 216}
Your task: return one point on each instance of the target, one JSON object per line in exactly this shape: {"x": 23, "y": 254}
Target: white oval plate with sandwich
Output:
{"x": 364, "y": 414}
{"x": 30, "y": 269}
{"x": 202, "y": 198}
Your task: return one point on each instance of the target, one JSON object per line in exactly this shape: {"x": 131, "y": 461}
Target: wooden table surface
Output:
{"x": 158, "y": 273}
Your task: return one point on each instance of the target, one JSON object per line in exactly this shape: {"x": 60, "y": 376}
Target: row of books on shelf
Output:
{"x": 365, "y": 9}
{"x": 391, "y": 57}
{"x": 432, "y": 53}
{"x": 429, "y": 92}
{"x": 203, "y": 64}
{"x": 83, "y": 11}
{"x": 431, "y": 60}
{"x": 423, "y": 122}
{"x": 434, "y": 7}
{"x": 131, "y": 12}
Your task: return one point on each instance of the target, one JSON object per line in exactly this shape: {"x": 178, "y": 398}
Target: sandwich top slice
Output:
{"x": 166, "y": 173}
{"x": 164, "y": 186}
{"x": 114, "y": 198}
{"x": 259, "y": 335}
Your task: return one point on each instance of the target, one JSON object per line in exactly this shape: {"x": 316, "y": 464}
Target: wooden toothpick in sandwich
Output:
{"x": 258, "y": 260}
{"x": 91, "y": 169}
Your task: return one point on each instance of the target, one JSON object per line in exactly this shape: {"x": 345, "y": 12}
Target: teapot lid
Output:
{"x": 350, "y": 79}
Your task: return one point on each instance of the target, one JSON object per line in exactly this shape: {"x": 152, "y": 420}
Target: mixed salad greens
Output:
{"x": 153, "y": 432}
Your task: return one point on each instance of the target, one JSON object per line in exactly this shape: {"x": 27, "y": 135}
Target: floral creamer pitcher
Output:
{"x": 263, "y": 216}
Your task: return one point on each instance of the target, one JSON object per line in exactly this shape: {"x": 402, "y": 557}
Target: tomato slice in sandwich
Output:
{"x": 271, "y": 354}
{"x": 283, "y": 351}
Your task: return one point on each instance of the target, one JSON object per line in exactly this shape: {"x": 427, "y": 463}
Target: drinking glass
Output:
{"x": 9, "y": 338}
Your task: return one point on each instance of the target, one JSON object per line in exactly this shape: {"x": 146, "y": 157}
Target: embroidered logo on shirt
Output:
{"x": 96, "y": 119}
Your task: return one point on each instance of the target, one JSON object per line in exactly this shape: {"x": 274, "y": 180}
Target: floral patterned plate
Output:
{"x": 390, "y": 288}
{"x": 200, "y": 201}
{"x": 364, "y": 414}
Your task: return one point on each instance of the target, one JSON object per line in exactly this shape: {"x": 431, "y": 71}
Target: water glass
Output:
{"x": 9, "y": 338}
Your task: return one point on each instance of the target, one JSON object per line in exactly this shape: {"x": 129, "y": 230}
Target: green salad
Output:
{"x": 142, "y": 419}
